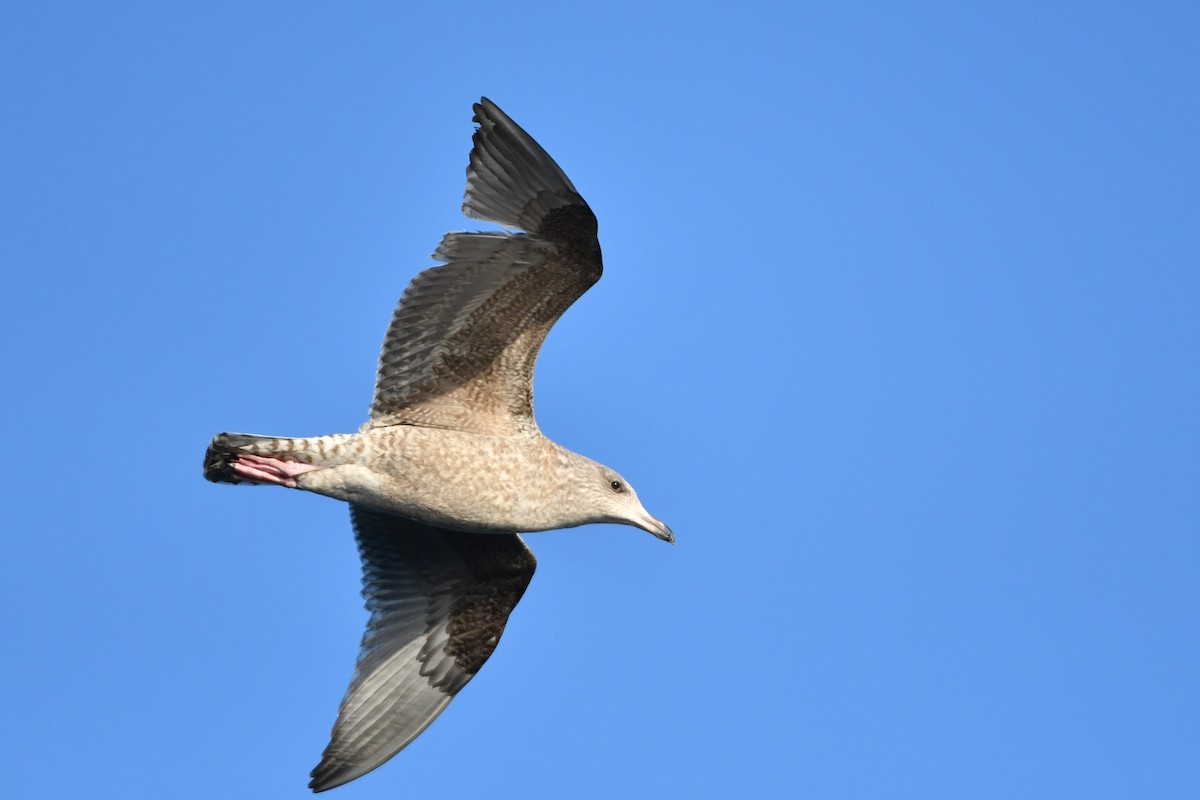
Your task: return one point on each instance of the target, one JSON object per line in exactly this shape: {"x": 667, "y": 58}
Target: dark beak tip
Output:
{"x": 655, "y": 527}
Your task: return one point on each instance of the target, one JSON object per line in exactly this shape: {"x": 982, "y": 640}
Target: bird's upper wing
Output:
{"x": 462, "y": 344}
{"x": 439, "y": 601}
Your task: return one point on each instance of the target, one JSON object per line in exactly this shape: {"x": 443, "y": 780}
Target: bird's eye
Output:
{"x": 617, "y": 487}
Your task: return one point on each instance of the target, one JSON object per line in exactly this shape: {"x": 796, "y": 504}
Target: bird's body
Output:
{"x": 451, "y": 464}
{"x": 465, "y": 481}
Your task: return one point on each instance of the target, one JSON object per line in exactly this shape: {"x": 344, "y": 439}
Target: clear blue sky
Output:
{"x": 900, "y": 332}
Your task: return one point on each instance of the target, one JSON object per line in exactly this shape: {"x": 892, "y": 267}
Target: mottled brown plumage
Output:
{"x": 451, "y": 464}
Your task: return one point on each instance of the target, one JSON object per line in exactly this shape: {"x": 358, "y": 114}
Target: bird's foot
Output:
{"x": 271, "y": 471}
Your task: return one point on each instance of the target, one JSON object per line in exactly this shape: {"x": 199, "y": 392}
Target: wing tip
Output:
{"x": 329, "y": 775}
{"x": 511, "y": 179}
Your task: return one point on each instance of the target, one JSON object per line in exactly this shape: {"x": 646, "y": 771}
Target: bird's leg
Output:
{"x": 274, "y": 471}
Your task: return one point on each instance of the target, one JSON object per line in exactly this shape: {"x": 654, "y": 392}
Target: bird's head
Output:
{"x": 618, "y": 503}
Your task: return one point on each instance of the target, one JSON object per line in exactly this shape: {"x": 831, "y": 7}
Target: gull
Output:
{"x": 451, "y": 465}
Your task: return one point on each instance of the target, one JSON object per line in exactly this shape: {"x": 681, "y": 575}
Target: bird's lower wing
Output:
{"x": 439, "y": 601}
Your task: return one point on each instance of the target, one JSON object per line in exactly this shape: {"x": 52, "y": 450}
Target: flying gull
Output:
{"x": 451, "y": 464}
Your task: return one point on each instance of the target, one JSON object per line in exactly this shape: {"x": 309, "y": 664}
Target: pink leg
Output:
{"x": 275, "y": 471}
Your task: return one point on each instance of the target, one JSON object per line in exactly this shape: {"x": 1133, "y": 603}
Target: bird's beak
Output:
{"x": 659, "y": 529}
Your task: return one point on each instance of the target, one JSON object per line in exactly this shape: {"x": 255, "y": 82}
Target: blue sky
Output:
{"x": 899, "y": 331}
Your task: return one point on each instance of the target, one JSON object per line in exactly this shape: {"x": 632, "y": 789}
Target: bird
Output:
{"x": 451, "y": 467}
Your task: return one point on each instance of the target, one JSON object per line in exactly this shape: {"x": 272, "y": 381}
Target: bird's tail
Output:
{"x": 227, "y": 448}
